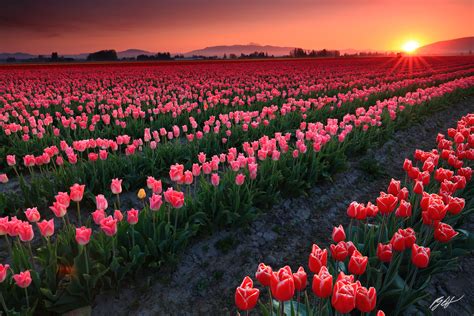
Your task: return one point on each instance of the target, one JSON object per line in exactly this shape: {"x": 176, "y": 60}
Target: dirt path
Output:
{"x": 205, "y": 280}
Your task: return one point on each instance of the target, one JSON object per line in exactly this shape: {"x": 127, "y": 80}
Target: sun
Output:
{"x": 410, "y": 46}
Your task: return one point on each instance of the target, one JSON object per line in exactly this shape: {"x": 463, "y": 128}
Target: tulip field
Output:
{"x": 109, "y": 170}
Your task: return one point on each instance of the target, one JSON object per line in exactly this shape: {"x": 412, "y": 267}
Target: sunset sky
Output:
{"x": 42, "y": 26}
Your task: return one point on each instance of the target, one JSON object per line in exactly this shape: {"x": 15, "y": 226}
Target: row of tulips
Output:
{"x": 390, "y": 250}
{"x": 69, "y": 266}
{"x": 53, "y": 167}
{"x": 26, "y": 104}
{"x": 245, "y": 119}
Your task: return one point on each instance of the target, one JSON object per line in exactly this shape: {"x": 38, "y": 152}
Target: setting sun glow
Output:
{"x": 410, "y": 46}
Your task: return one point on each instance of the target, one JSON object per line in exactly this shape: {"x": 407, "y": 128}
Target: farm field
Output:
{"x": 129, "y": 180}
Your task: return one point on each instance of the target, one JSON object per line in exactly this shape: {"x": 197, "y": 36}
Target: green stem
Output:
{"x": 87, "y": 259}
{"x": 133, "y": 236}
{"x": 27, "y": 299}
{"x": 79, "y": 214}
{"x": 31, "y": 255}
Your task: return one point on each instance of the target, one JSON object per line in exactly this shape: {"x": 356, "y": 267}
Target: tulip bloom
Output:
{"x": 322, "y": 283}
{"x": 301, "y": 279}
{"x": 404, "y": 209}
{"x": 384, "y": 252}
{"x": 155, "y": 202}
{"x": 77, "y": 192}
{"x": 98, "y": 215}
{"x": 394, "y": 187}
{"x": 344, "y": 297}
{"x": 23, "y": 279}
{"x": 239, "y": 179}
{"x": 3, "y": 271}
{"x": 339, "y": 252}
{"x": 338, "y": 234}
{"x": 246, "y": 296}
{"x": 317, "y": 258}
{"x": 116, "y": 186}
{"x": 263, "y": 274}
{"x": 32, "y": 215}
{"x": 25, "y": 231}
{"x": 132, "y": 216}
{"x": 366, "y": 299}
{"x": 109, "y": 226}
{"x": 386, "y": 203}
{"x": 46, "y": 227}
{"x": 101, "y": 202}
{"x": 444, "y": 233}
{"x": 83, "y": 235}
{"x": 282, "y": 284}
{"x": 175, "y": 198}
{"x": 358, "y": 263}
{"x": 420, "y": 256}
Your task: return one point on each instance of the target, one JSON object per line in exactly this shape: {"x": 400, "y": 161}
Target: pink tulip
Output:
{"x": 83, "y": 235}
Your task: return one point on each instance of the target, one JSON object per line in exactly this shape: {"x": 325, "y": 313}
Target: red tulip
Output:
{"x": 386, "y": 203}
{"x": 339, "y": 252}
{"x": 282, "y": 284}
{"x": 246, "y": 297}
{"x": 300, "y": 279}
{"x": 437, "y": 210}
{"x": 444, "y": 233}
{"x": 263, "y": 274}
{"x": 420, "y": 256}
{"x": 456, "y": 205}
{"x": 418, "y": 187}
{"x": 344, "y": 297}
{"x": 338, "y": 234}
{"x": 404, "y": 209}
{"x": 358, "y": 263}
{"x": 322, "y": 283}
{"x": 317, "y": 258}
{"x": 394, "y": 187}
{"x": 384, "y": 252}
{"x": 366, "y": 299}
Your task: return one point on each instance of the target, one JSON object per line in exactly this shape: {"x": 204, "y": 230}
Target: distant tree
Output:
{"x": 233, "y": 56}
{"x": 54, "y": 56}
{"x": 11, "y": 59}
{"x": 103, "y": 55}
{"x": 225, "y": 56}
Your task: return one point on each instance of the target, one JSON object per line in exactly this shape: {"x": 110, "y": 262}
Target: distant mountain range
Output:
{"x": 450, "y": 47}
{"x": 240, "y": 49}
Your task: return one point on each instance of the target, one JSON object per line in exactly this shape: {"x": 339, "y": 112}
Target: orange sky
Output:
{"x": 183, "y": 25}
